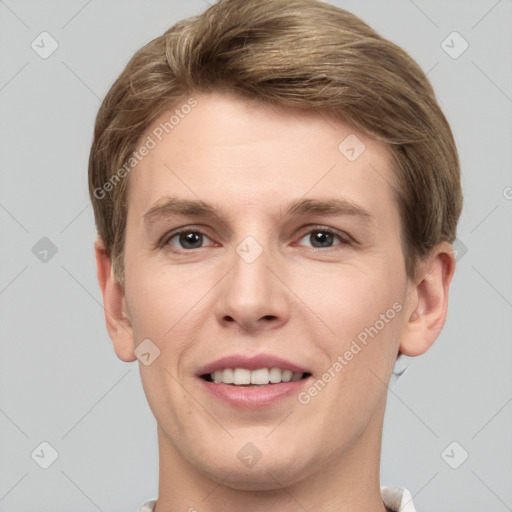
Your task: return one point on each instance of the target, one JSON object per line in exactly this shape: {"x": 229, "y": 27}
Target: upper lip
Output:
{"x": 253, "y": 362}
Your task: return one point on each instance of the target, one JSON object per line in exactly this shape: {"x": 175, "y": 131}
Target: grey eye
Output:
{"x": 319, "y": 238}
{"x": 188, "y": 240}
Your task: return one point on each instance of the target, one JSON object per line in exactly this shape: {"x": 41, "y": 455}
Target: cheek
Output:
{"x": 350, "y": 299}
{"x": 363, "y": 306}
{"x": 167, "y": 305}
{"x": 165, "y": 308}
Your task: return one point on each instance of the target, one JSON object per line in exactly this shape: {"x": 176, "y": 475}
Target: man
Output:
{"x": 276, "y": 191}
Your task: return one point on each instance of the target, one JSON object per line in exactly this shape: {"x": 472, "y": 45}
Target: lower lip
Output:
{"x": 256, "y": 397}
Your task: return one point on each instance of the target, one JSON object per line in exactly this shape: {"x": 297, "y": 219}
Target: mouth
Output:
{"x": 245, "y": 377}
{"x": 255, "y": 381}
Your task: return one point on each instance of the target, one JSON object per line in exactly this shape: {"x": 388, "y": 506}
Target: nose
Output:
{"x": 253, "y": 296}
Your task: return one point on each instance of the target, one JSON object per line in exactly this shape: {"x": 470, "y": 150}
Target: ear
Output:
{"x": 118, "y": 324}
{"x": 428, "y": 301}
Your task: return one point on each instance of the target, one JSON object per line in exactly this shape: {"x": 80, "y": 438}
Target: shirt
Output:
{"x": 394, "y": 498}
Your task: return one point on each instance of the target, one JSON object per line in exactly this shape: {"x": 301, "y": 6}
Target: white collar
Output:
{"x": 394, "y": 498}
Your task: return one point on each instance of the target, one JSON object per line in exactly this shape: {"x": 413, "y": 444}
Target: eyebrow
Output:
{"x": 328, "y": 207}
{"x": 174, "y": 206}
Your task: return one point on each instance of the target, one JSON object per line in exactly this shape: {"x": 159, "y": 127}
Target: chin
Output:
{"x": 265, "y": 478}
{"x": 270, "y": 470}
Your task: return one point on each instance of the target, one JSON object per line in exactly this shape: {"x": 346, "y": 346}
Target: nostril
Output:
{"x": 269, "y": 317}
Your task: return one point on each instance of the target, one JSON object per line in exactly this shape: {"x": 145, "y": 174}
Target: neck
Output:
{"x": 345, "y": 482}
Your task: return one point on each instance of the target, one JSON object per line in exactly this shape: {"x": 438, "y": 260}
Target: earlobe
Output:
{"x": 429, "y": 300}
{"x": 117, "y": 321}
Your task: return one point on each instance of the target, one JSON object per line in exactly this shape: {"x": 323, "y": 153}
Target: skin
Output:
{"x": 300, "y": 302}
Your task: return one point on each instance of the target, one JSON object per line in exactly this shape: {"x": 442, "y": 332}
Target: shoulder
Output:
{"x": 148, "y": 506}
{"x": 397, "y": 499}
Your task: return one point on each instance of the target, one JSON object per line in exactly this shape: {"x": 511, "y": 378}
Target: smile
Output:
{"x": 257, "y": 377}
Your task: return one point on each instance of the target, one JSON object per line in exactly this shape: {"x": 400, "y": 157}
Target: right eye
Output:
{"x": 187, "y": 239}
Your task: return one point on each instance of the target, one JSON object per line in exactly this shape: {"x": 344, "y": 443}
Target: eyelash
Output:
{"x": 343, "y": 238}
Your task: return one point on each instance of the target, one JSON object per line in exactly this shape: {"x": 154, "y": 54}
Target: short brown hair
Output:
{"x": 301, "y": 54}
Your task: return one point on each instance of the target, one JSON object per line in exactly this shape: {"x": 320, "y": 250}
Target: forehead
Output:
{"x": 242, "y": 154}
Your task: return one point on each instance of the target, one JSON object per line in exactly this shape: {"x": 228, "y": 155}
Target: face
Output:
{"x": 259, "y": 249}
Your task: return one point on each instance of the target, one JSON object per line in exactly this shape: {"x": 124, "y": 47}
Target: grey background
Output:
{"x": 60, "y": 380}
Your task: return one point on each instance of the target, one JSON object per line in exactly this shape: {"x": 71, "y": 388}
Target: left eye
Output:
{"x": 188, "y": 240}
{"x": 322, "y": 238}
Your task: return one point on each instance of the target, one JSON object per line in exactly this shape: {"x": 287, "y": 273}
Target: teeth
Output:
{"x": 241, "y": 376}
{"x": 275, "y": 375}
{"x": 286, "y": 376}
{"x": 296, "y": 376}
{"x": 226, "y": 376}
{"x": 259, "y": 377}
